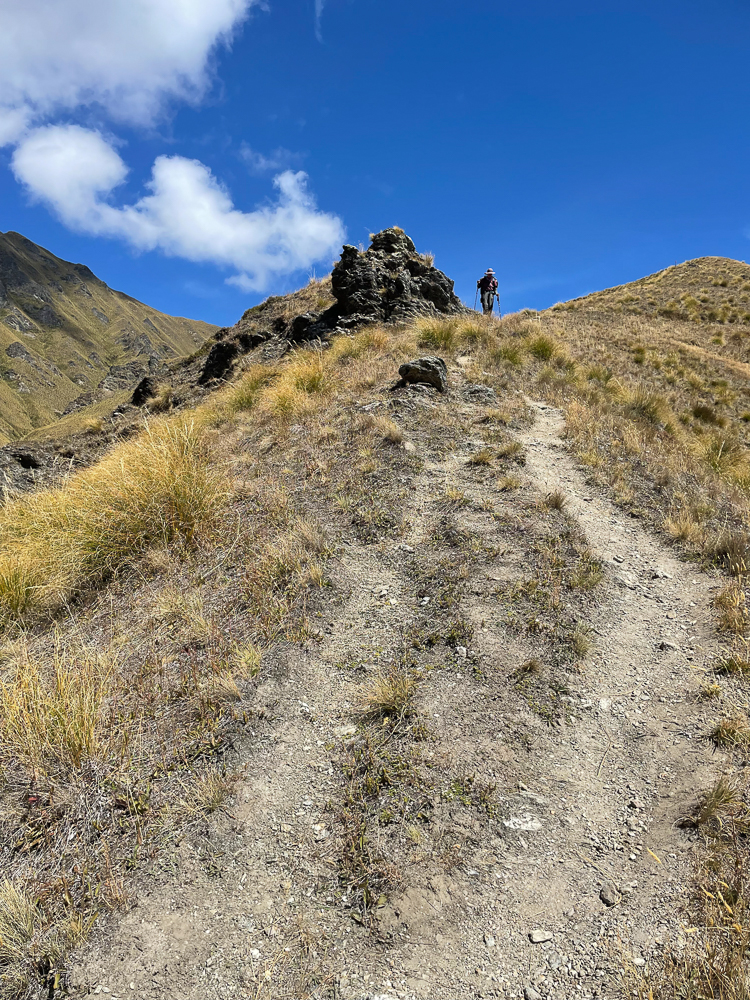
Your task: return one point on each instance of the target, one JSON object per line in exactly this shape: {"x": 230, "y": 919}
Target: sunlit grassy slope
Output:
{"x": 61, "y": 329}
{"x": 139, "y": 596}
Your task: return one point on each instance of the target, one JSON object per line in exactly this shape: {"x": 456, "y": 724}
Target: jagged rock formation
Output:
{"x": 387, "y": 283}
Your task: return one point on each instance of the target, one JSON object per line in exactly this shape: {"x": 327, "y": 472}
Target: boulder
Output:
{"x": 224, "y": 353}
{"x": 145, "y": 390}
{"x": 427, "y": 371}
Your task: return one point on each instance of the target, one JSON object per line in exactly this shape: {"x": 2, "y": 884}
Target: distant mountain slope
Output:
{"x": 67, "y": 339}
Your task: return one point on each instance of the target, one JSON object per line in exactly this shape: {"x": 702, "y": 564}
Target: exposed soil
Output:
{"x": 534, "y": 797}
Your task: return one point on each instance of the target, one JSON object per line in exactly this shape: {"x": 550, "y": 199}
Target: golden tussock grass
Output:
{"x": 390, "y": 693}
{"x": 160, "y": 488}
{"x": 53, "y": 721}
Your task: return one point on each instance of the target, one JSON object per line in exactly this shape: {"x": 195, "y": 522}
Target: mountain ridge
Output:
{"x": 67, "y": 339}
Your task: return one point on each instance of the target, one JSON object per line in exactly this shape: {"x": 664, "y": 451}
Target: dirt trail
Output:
{"x": 248, "y": 907}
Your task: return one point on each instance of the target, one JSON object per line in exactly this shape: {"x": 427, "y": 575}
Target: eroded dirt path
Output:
{"x": 587, "y": 801}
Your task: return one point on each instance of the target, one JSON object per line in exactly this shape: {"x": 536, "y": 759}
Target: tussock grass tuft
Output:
{"x": 731, "y": 549}
{"x": 383, "y": 427}
{"x": 148, "y": 493}
{"x": 55, "y": 724}
{"x": 507, "y": 483}
{"x": 542, "y": 347}
{"x": 733, "y": 665}
{"x": 556, "y": 500}
{"x": 650, "y": 407}
{"x": 482, "y": 457}
{"x": 732, "y": 609}
{"x": 725, "y": 455}
{"x": 724, "y": 795}
{"x": 390, "y": 693}
{"x": 731, "y": 733}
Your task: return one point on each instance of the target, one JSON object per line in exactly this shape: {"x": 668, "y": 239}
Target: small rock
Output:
{"x": 661, "y": 574}
{"x": 527, "y": 823}
{"x": 609, "y": 895}
{"x": 540, "y": 937}
{"x": 489, "y": 940}
{"x": 254, "y": 954}
{"x": 461, "y": 652}
{"x": 410, "y": 448}
{"x": 605, "y": 704}
{"x": 531, "y": 994}
{"x": 427, "y": 371}
{"x": 668, "y": 646}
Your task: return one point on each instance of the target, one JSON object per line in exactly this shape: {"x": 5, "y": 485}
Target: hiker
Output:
{"x": 487, "y": 285}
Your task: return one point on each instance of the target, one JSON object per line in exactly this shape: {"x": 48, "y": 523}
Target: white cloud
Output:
{"x": 187, "y": 213}
{"x": 319, "y": 5}
{"x": 128, "y": 59}
{"x": 279, "y": 159}
{"x": 129, "y": 56}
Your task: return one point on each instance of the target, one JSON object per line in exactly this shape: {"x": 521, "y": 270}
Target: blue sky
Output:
{"x": 569, "y": 150}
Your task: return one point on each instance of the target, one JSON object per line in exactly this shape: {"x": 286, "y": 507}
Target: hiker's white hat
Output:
{"x": 489, "y": 271}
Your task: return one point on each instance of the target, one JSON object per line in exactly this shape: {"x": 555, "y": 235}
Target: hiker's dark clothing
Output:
{"x": 487, "y": 285}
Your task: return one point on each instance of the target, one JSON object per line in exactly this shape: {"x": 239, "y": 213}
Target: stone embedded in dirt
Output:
{"x": 461, "y": 652}
{"x": 609, "y": 895}
{"x": 489, "y": 940}
{"x": 668, "y": 646}
{"x": 425, "y": 371}
{"x": 661, "y": 574}
{"x": 531, "y": 994}
{"x": 625, "y": 579}
{"x": 540, "y": 937}
{"x": 527, "y": 823}
{"x": 605, "y": 704}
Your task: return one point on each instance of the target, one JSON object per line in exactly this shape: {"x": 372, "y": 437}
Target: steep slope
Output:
{"x": 67, "y": 339}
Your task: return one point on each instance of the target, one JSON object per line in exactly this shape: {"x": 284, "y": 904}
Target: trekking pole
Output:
{"x": 499, "y": 314}
{"x": 476, "y": 296}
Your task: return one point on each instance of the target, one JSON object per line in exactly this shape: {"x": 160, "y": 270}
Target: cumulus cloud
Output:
{"x": 129, "y": 60}
{"x": 187, "y": 213}
{"x": 128, "y": 56}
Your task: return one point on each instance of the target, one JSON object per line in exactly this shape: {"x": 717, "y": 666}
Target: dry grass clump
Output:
{"x": 542, "y": 347}
{"x": 651, "y": 407}
{"x": 732, "y": 609}
{"x": 53, "y": 724}
{"x": 724, "y": 454}
{"x": 390, "y": 693}
{"x": 556, "y": 500}
{"x": 21, "y": 926}
{"x": 157, "y": 489}
{"x": 484, "y": 456}
{"x": 382, "y": 426}
{"x": 244, "y": 393}
{"x": 731, "y": 732}
{"x": 731, "y": 549}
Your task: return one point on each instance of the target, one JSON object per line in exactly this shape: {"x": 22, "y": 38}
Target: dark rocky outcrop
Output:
{"x": 390, "y": 282}
{"x": 224, "y": 353}
{"x": 145, "y": 390}
{"x": 387, "y": 283}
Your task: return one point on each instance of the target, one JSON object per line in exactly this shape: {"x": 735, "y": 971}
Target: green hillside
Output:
{"x": 65, "y": 336}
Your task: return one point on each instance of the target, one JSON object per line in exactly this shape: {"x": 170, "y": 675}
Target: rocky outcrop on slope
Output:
{"x": 387, "y": 283}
